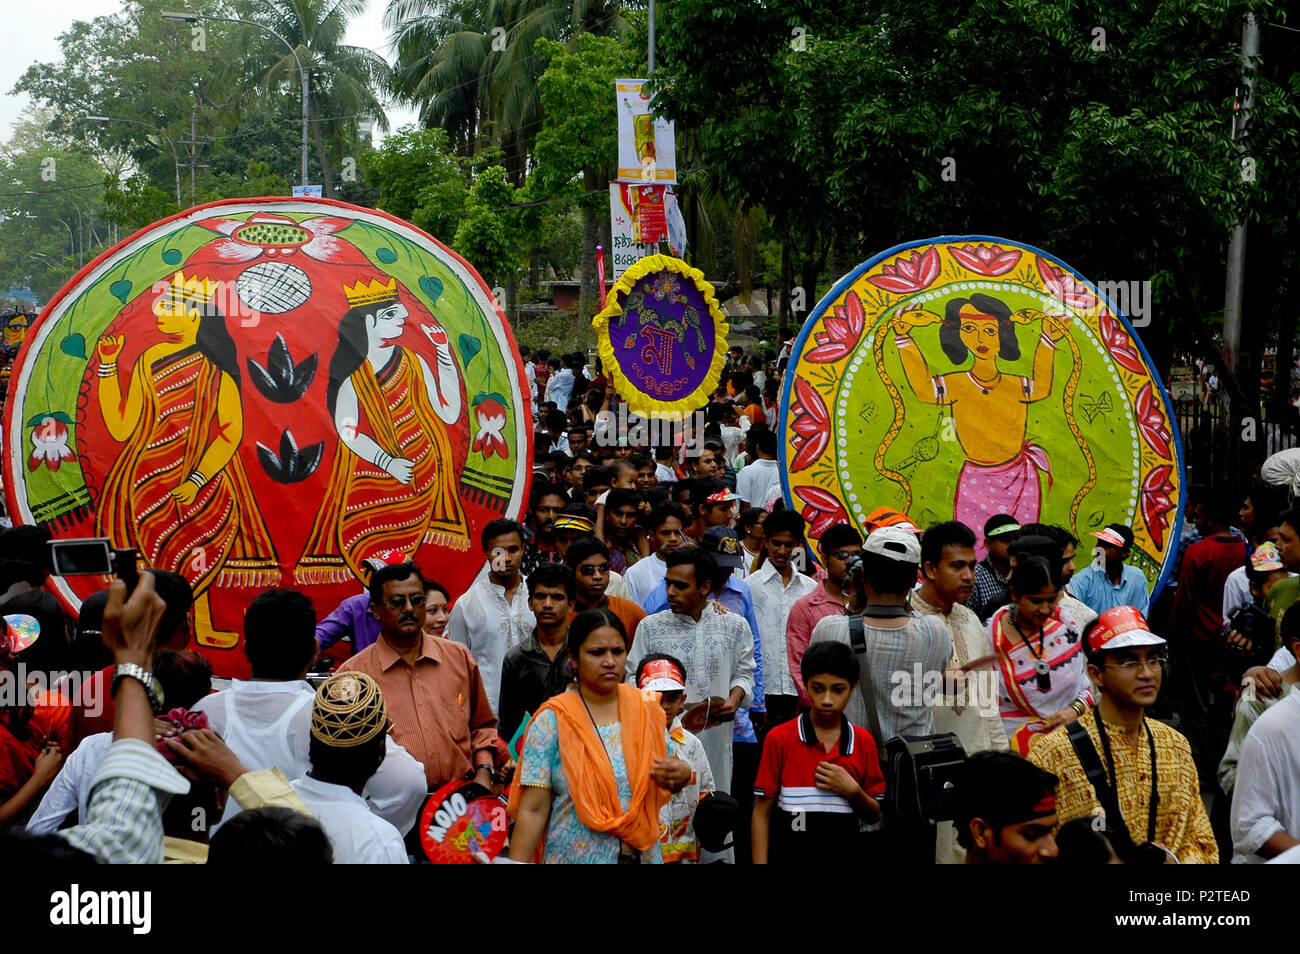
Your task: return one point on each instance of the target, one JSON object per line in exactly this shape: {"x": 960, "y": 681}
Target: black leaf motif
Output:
{"x": 281, "y": 380}
{"x": 291, "y": 465}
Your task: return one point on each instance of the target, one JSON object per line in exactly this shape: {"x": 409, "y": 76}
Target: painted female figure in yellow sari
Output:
{"x": 393, "y": 486}
{"x": 990, "y": 409}
{"x": 177, "y": 491}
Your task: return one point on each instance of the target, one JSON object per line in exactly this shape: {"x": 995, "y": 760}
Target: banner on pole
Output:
{"x": 646, "y": 148}
{"x": 640, "y": 217}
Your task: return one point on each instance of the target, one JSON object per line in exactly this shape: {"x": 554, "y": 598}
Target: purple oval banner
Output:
{"x": 666, "y": 339}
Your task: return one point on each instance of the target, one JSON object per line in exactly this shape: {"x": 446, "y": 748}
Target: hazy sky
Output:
{"x": 32, "y": 31}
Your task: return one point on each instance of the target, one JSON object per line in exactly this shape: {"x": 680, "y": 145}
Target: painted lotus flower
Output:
{"x": 986, "y": 259}
{"x": 271, "y": 235}
{"x": 490, "y": 414}
{"x": 911, "y": 273}
{"x": 810, "y": 425}
{"x": 843, "y": 329}
{"x": 822, "y": 510}
{"x": 49, "y": 442}
{"x": 1151, "y": 421}
{"x": 1119, "y": 344}
{"x": 1063, "y": 286}
{"x": 1156, "y": 502}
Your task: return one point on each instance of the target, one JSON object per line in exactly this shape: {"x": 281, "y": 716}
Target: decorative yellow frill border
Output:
{"x": 638, "y": 401}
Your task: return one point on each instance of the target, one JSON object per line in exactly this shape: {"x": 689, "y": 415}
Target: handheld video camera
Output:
{"x": 95, "y": 556}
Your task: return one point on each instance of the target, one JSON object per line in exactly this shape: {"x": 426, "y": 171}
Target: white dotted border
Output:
{"x": 841, "y": 425}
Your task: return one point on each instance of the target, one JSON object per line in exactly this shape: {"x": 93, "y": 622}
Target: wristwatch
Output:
{"x": 145, "y": 678}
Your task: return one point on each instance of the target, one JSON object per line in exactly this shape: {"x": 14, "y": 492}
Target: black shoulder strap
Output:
{"x": 1116, "y": 829}
{"x": 858, "y": 640}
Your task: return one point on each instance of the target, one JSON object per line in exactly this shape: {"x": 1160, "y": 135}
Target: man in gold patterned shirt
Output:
{"x": 1135, "y": 758}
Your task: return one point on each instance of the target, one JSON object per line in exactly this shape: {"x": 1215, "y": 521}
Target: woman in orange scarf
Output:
{"x": 595, "y": 767}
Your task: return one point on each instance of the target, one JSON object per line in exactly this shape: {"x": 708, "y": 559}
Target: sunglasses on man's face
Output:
{"x": 398, "y": 602}
{"x": 591, "y": 570}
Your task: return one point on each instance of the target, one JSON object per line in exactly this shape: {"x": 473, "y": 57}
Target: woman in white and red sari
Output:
{"x": 1041, "y": 667}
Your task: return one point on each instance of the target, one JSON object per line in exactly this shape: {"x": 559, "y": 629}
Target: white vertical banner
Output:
{"x": 623, "y": 228}
{"x": 622, "y": 231}
{"x": 647, "y": 151}
{"x": 676, "y": 225}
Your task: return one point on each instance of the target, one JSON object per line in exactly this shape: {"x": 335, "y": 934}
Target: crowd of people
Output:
{"x": 660, "y": 665}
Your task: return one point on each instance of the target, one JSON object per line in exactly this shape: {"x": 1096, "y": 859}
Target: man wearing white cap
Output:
{"x": 1114, "y": 764}
{"x": 904, "y": 649}
{"x": 1111, "y": 583}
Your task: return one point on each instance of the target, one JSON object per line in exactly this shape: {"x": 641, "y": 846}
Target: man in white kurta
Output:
{"x": 716, "y": 647}
{"x": 1266, "y": 798}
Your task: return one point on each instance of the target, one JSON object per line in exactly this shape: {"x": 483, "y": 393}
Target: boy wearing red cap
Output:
{"x": 1114, "y": 763}
{"x": 666, "y": 675}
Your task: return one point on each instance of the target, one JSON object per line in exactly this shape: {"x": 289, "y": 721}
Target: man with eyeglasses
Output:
{"x": 588, "y": 557}
{"x": 838, "y": 545}
{"x": 433, "y": 687}
{"x": 1134, "y": 774}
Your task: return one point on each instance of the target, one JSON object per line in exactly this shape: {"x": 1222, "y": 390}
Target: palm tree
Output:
{"x": 442, "y": 67}
{"x": 344, "y": 82}
{"x": 472, "y": 68}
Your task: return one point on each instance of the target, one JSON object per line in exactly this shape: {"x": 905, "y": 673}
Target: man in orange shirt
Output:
{"x": 588, "y": 557}
{"x": 432, "y": 686}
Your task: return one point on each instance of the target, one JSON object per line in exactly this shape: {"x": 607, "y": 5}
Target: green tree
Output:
{"x": 486, "y": 235}
{"x": 473, "y": 67}
{"x": 343, "y": 81}
{"x": 135, "y": 203}
{"x": 134, "y": 65}
{"x": 1098, "y": 131}
{"x": 577, "y": 147}
{"x": 51, "y": 191}
{"x": 443, "y": 64}
{"x": 419, "y": 179}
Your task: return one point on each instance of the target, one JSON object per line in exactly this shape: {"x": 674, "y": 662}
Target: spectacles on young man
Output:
{"x": 1131, "y": 665}
{"x": 398, "y": 602}
{"x": 588, "y": 569}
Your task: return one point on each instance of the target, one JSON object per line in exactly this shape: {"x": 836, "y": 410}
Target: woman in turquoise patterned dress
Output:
{"x": 596, "y": 765}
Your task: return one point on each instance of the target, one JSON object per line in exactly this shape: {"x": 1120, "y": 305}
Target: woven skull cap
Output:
{"x": 349, "y": 710}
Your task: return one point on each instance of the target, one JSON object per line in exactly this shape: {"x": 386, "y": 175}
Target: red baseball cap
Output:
{"x": 1121, "y": 627}
{"x": 1110, "y": 537}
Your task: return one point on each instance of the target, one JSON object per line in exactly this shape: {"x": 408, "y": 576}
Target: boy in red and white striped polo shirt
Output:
{"x": 820, "y": 776}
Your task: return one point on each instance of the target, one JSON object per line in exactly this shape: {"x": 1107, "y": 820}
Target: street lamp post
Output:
{"x": 81, "y": 239}
{"x": 302, "y": 74}
{"x": 71, "y": 242}
{"x": 176, "y": 160}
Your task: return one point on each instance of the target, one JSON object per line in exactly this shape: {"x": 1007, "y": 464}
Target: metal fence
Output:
{"x": 1216, "y": 448}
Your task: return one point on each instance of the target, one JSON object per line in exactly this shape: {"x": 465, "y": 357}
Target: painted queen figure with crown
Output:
{"x": 177, "y": 490}
{"x": 392, "y": 486}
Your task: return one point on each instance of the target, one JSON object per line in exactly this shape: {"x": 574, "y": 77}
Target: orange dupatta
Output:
{"x": 591, "y": 776}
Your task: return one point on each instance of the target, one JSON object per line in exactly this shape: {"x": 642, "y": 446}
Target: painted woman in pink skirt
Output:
{"x": 990, "y": 410}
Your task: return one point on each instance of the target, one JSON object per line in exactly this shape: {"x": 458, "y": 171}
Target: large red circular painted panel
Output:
{"x": 267, "y": 392}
